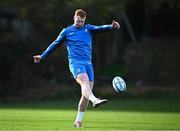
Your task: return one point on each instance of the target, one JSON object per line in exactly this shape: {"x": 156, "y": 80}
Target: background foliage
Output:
{"x": 145, "y": 51}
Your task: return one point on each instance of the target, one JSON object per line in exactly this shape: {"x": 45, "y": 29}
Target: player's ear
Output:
{"x": 74, "y": 17}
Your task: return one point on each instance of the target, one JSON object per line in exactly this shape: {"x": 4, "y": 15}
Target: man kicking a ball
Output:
{"x": 78, "y": 38}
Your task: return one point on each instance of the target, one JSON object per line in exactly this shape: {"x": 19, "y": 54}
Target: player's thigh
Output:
{"x": 91, "y": 84}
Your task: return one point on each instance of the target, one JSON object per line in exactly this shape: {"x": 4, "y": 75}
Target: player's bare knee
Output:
{"x": 82, "y": 78}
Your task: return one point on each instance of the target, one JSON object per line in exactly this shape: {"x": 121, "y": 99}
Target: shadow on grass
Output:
{"x": 143, "y": 105}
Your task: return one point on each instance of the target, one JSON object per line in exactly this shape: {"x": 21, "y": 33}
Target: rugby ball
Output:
{"x": 119, "y": 84}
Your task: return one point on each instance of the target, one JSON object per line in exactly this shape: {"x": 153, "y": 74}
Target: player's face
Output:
{"x": 78, "y": 21}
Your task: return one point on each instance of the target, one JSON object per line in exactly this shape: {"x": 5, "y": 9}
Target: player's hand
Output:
{"x": 37, "y": 58}
{"x": 115, "y": 24}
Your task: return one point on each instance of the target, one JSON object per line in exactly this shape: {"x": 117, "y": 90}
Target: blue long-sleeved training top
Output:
{"x": 78, "y": 41}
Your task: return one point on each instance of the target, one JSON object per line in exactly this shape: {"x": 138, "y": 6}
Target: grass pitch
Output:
{"x": 115, "y": 115}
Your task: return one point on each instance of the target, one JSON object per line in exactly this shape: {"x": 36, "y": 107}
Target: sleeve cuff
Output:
{"x": 110, "y": 26}
{"x": 43, "y": 57}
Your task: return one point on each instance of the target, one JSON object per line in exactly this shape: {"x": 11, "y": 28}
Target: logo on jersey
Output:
{"x": 71, "y": 33}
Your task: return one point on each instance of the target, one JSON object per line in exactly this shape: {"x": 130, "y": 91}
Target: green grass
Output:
{"x": 116, "y": 115}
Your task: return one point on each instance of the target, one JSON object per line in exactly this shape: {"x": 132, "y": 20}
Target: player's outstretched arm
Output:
{"x": 37, "y": 58}
{"x": 101, "y": 28}
{"x": 115, "y": 24}
{"x": 51, "y": 47}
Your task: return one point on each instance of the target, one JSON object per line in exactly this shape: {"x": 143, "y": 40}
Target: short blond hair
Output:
{"x": 80, "y": 12}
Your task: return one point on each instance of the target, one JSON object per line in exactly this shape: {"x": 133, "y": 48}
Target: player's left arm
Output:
{"x": 114, "y": 25}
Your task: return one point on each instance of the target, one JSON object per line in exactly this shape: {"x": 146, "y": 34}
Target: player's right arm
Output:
{"x": 51, "y": 47}
{"x": 37, "y": 58}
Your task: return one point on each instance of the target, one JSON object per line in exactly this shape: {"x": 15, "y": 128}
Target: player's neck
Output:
{"x": 77, "y": 26}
